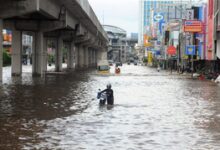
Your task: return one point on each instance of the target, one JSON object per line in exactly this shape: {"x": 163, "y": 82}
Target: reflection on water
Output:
{"x": 152, "y": 111}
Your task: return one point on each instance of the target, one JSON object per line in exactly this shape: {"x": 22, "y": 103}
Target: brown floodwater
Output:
{"x": 152, "y": 111}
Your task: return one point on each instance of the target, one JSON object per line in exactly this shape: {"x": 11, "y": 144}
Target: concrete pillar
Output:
{"x": 86, "y": 57}
{"x": 59, "y": 55}
{"x": 76, "y": 57}
{"x": 81, "y": 56}
{"x": 98, "y": 55}
{"x": 102, "y": 55}
{"x": 16, "y": 54}
{"x": 68, "y": 47}
{"x": 93, "y": 58}
{"x": 39, "y": 55}
{"x": 45, "y": 55}
{"x": 33, "y": 53}
{"x": 70, "y": 55}
{"x": 89, "y": 57}
{"x": 1, "y": 48}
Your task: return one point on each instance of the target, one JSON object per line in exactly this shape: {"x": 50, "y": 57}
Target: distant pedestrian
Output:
{"x": 158, "y": 68}
{"x": 117, "y": 70}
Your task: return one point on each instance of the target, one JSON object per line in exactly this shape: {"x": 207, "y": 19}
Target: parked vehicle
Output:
{"x": 103, "y": 67}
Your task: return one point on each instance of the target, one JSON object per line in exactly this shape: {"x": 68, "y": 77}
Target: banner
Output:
{"x": 193, "y": 26}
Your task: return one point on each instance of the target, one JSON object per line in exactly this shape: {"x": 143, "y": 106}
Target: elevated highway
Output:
{"x": 67, "y": 23}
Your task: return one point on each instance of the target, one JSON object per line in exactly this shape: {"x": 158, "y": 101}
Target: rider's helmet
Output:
{"x": 109, "y": 86}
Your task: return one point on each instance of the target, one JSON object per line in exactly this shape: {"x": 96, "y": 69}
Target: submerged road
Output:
{"x": 152, "y": 111}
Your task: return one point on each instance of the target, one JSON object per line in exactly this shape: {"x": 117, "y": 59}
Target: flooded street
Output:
{"x": 152, "y": 111}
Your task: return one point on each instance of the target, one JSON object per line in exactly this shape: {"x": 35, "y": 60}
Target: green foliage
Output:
{"x": 6, "y": 58}
{"x": 51, "y": 58}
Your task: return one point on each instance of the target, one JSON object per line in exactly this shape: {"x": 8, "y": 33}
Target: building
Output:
{"x": 118, "y": 47}
{"x": 132, "y": 42}
{"x": 157, "y": 17}
{"x": 145, "y": 15}
{"x": 150, "y": 10}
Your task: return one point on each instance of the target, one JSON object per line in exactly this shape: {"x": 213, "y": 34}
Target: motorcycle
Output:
{"x": 102, "y": 97}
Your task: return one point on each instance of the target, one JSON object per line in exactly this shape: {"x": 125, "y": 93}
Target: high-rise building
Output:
{"x": 146, "y": 8}
{"x": 168, "y": 8}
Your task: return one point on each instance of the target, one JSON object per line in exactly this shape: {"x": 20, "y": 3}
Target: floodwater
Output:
{"x": 152, "y": 110}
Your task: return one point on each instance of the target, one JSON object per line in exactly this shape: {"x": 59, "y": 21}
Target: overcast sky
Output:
{"x": 120, "y": 13}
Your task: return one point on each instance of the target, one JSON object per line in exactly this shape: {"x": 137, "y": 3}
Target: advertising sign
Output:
{"x": 171, "y": 50}
{"x": 150, "y": 57}
{"x": 158, "y": 53}
{"x": 189, "y": 14}
{"x": 190, "y": 50}
{"x": 193, "y": 26}
{"x": 158, "y": 17}
{"x": 146, "y": 41}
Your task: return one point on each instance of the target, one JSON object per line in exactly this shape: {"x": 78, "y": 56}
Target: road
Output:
{"x": 153, "y": 110}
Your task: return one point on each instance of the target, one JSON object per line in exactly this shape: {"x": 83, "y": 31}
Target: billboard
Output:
{"x": 193, "y": 26}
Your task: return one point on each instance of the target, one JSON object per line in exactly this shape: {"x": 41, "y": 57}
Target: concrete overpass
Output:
{"x": 69, "y": 22}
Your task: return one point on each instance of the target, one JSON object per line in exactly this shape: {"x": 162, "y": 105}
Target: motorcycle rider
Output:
{"x": 109, "y": 94}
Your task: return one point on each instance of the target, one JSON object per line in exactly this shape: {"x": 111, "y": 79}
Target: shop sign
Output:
{"x": 192, "y": 26}
{"x": 158, "y": 17}
{"x": 190, "y": 50}
{"x": 146, "y": 41}
{"x": 171, "y": 50}
{"x": 150, "y": 57}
